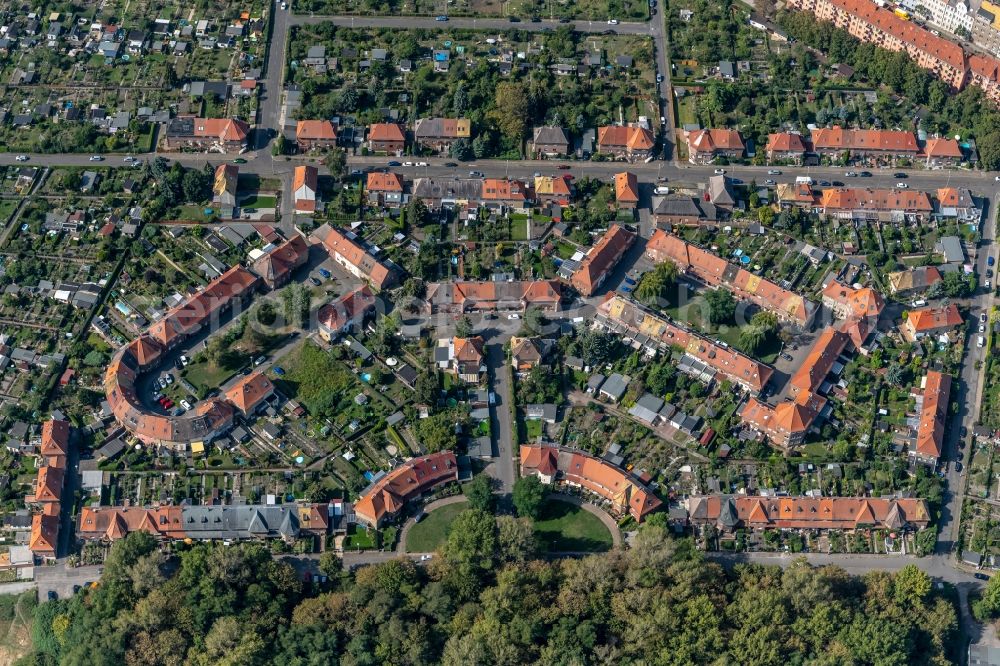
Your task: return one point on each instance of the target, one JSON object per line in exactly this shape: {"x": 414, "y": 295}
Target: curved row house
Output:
{"x": 702, "y": 358}
{"x": 388, "y": 494}
{"x": 602, "y": 259}
{"x": 625, "y": 493}
{"x": 46, "y": 498}
{"x": 209, "y": 418}
{"x": 204, "y": 523}
{"x": 728, "y": 513}
{"x": 467, "y": 296}
{"x": 717, "y": 272}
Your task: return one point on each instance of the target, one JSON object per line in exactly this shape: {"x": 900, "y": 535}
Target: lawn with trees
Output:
{"x": 486, "y": 600}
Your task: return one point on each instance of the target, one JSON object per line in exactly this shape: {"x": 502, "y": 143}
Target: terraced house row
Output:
{"x": 871, "y": 23}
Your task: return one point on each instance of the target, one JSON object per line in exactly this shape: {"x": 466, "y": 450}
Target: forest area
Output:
{"x": 484, "y": 599}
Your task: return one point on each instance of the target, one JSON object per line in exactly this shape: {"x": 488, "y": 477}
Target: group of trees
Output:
{"x": 486, "y": 600}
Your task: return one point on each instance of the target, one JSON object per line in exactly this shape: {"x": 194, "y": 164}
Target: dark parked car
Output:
{"x": 514, "y": 19}
{"x": 52, "y": 595}
{"x": 900, "y": 174}
{"x": 451, "y": 164}
{"x": 395, "y": 163}
{"x": 980, "y": 576}
{"x": 865, "y": 174}
{"x": 838, "y": 183}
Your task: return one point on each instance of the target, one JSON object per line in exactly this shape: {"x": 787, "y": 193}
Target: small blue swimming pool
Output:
{"x": 366, "y": 376}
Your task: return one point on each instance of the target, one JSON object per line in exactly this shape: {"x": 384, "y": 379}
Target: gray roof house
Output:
{"x": 615, "y": 386}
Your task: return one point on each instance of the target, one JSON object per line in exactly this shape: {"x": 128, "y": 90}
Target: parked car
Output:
{"x": 900, "y": 174}
{"x": 395, "y": 163}
{"x": 407, "y": 164}
{"x": 421, "y": 164}
{"x": 837, "y": 183}
{"x": 185, "y": 404}
{"x": 440, "y": 18}
{"x": 239, "y": 160}
{"x": 902, "y": 186}
{"x": 52, "y": 595}
{"x": 990, "y": 261}
{"x": 719, "y": 172}
{"x": 851, "y": 174}
{"x": 315, "y": 281}
{"x": 451, "y": 165}
{"x": 737, "y": 181}
{"x": 865, "y": 174}
{"x": 513, "y": 315}
{"x": 771, "y": 182}
{"x": 279, "y": 371}
{"x": 774, "y": 172}
{"x": 21, "y": 158}
{"x": 325, "y": 273}
{"x": 982, "y": 318}
{"x": 979, "y": 576}
{"x": 96, "y": 158}
{"x": 612, "y": 21}
{"x": 259, "y": 360}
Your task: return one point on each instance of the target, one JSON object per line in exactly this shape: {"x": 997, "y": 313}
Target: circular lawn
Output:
{"x": 564, "y": 527}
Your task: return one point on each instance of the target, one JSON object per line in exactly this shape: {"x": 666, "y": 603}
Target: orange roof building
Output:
{"x": 44, "y": 538}
{"x": 113, "y": 523}
{"x": 870, "y": 23}
{"x": 601, "y": 259}
{"x": 813, "y": 370}
{"x": 468, "y": 357}
{"x": 389, "y": 494}
{"x": 346, "y": 313}
{"x": 930, "y": 321}
{"x": 886, "y": 205}
{"x": 655, "y": 334}
{"x": 386, "y": 138}
{"x": 717, "y": 272}
{"x": 933, "y": 401}
{"x": 250, "y": 392}
{"x": 727, "y": 512}
{"x": 227, "y": 134}
{"x": 785, "y": 146}
{"x": 313, "y": 134}
{"x": 468, "y": 296}
{"x": 48, "y": 485}
{"x": 553, "y": 187}
{"x": 354, "y": 258}
{"x": 705, "y": 145}
{"x": 626, "y": 190}
{"x": 378, "y": 181}
{"x": 862, "y": 141}
{"x": 942, "y": 150}
{"x": 625, "y": 493}
{"x": 846, "y": 301}
{"x": 507, "y": 192}
{"x": 55, "y": 439}
{"x": 276, "y": 266}
{"x": 304, "y": 189}
{"x": 625, "y": 141}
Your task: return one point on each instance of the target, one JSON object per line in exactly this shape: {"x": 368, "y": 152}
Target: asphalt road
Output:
{"x": 502, "y": 423}
{"x": 270, "y": 95}
{"x": 430, "y": 23}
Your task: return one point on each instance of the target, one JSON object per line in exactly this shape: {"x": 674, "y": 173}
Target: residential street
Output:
{"x": 501, "y": 421}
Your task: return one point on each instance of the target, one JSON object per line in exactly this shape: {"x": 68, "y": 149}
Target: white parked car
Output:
{"x": 421, "y": 164}
{"x": 185, "y": 404}
{"x": 513, "y": 315}
{"x": 612, "y": 21}
{"x": 980, "y": 341}
{"x": 21, "y": 158}
{"x": 902, "y": 186}
{"x": 96, "y": 158}
{"x": 774, "y": 172}
{"x": 407, "y": 163}
{"x": 719, "y": 172}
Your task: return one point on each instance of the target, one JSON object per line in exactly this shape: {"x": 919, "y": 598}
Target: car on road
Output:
{"x": 980, "y": 341}
{"x": 902, "y": 186}
{"x": 407, "y": 163}
{"x": 185, "y": 360}
{"x": 128, "y": 158}
{"x": 958, "y": 466}
{"x": 477, "y": 174}
{"x": 736, "y": 181}
{"x": 851, "y": 174}
{"x": 395, "y": 163}
{"x": 421, "y": 164}
{"x": 535, "y": 19}
{"x": 982, "y": 328}
{"x": 982, "y": 317}
{"x": 996, "y": 178}
{"x": 786, "y": 356}
{"x": 989, "y": 284}
{"x": 52, "y": 595}
{"x": 659, "y": 78}
{"x": 719, "y": 172}
{"x": 900, "y": 174}
{"x": 609, "y": 32}
{"x": 865, "y": 174}
{"x": 564, "y": 166}
{"x": 259, "y": 360}
{"x": 440, "y": 18}
{"x": 425, "y": 557}
{"x": 239, "y": 160}
{"x": 824, "y": 183}
{"x": 980, "y": 576}
{"x": 990, "y": 261}
{"x": 770, "y": 182}
{"x": 774, "y": 172}
{"x": 315, "y": 281}
{"x": 451, "y": 164}
{"x": 514, "y": 19}
{"x": 612, "y": 21}
{"x": 564, "y": 20}
{"x": 325, "y": 273}
{"x": 989, "y": 272}
{"x": 513, "y": 315}
{"x": 96, "y": 158}
{"x": 279, "y": 371}
{"x": 21, "y": 158}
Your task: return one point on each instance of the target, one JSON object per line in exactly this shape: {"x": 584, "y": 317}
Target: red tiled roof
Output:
{"x": 813, "y": 513}
{"x": 378, "y": 181}
{"x": 934, "y": 319}
{"x": 711, "y": 140}
{"x": 386, "y": 132}
{"x": 849, "y": 198}
{"x": 355, "y": 255}
{"x": 785, "y": 142}
{"x": 933, "y": 414}
{"x": 626, "y": 187}
{"x": 346, "y": 309}
{"x": 249, "y": 392}
{"x": 601, "y": 259}
{"x": 388, "y": 495}
{"x": 838, "y": 138}
{"x": 315, "y": 130}
{"x": 620, "y": 136}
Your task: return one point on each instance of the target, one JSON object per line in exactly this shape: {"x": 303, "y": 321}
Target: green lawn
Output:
{"x": 359, "y": 538}
{"x": 257, "y": 201}
{"x": 429, "y": 533}
{"x": 565, "y": 527}
{"x": 533, "y": 428}
{"x": 207, "y": 376}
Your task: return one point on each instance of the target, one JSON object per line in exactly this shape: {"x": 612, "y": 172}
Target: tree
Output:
{"x": 480, "y": 493}
{"x": 512, "y": 110}
{"x": 721, "y": 306}
{"x": 428, "y": 388}
{"x": 461, "y": 150}
{"x": 987, "y": 607}
{"x": 911, "y": 586}
{"x": 528, "y": 495}
{"x": 515, "y": 539}
{"x": 472, "y": 539}
{"x": 463, "y": 328}
{"x": 329, "y": 564}
{"x": 195, "y": 185}
{"x": 416, "y": 212}
{"x": 336, "y": 163}
{"x": 598, "y": 347}
{"x": 658, "y": 284}
{"x": 437, "y": 432}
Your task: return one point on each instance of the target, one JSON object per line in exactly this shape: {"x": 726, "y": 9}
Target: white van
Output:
{"x": 980, "y": 341}
{"x": 662, "y": 189}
